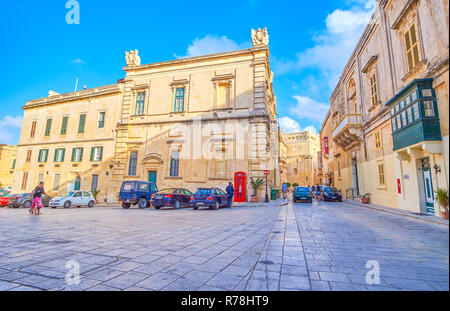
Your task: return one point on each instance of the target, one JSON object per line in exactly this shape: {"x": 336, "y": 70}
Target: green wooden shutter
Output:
{"x": 81, "y": 123}
{"x": 81, "y": 154}
{"x": 101, "y": 154}
{"x": 64, "y": 125}
{"x": 46, "y": 155}
{"x": 14, "y": 164}
{"x": 73, "y": 155}
{"x": 40, "y": 156}
{"x": 55, "y": 159}
{"x": 63, "y": 155}
{"x": 48, "y": 127}
{"x": 92, "y": 154}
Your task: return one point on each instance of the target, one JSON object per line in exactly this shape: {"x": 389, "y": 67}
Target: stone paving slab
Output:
{"x": 321, "y": 247}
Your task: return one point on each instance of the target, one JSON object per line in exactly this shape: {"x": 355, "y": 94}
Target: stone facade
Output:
{"x": 8, "y": 155}
{"x": 405, "y": 40}
{"x": 301, "y": 158}
{"x": 188, "y": 123}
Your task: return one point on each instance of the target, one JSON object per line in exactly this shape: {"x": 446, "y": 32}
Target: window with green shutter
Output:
{"x": 96, "y": 154}
{"x": 77, "y": 154}
{"x": 101, "y": 119}
{"x": 81, "y": 123}
{"x": 59, "y": 155}
{"x": 64, "y": 125}
{"x": 48, "y": 127}
{"x": 14, "y": 164}
{"x": 43, "y": 154}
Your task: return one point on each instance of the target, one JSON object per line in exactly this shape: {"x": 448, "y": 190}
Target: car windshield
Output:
{"x": 203, "y": 192}
{"x": 331, "y": 189}
{"x": 128, "y": 186}
{"x": 169, "y": 190}
{"x": 68, "y": 194}
{"x": 302, "y": 189}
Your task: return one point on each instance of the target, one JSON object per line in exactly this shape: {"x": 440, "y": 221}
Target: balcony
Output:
{"x": 348, "y": 131}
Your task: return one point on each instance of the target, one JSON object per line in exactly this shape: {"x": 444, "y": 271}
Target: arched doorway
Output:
{"x": 152, "y": 164}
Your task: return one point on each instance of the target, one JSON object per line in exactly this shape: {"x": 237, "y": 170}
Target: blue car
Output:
{"x": 136, "y": 193}
{"x": 302, "y": 194}
{"x": 214, "y": 198}
{"x": 331, "y": 194}
{"x": 172, "y": 197}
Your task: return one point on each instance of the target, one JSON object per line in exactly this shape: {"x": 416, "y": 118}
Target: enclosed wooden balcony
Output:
{"x": 348, "y": 131}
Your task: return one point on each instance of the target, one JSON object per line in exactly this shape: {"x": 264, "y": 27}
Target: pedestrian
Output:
{"x": 37, "y": 194}
{"x": 230, "y": 194}
{"x": 283, "y": 190}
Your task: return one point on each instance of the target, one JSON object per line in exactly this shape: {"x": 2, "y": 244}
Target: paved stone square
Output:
{"x": 319, "y": 246}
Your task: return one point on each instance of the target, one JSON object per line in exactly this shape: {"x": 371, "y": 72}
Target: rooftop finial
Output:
{"x": 260, "y": 37}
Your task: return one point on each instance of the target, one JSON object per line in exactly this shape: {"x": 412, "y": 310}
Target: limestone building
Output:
{"x": 301, "y": 157}
{"x": 386, "y": 132}
{"x": 8, "y": 155}
{"x": 190, "y": 122}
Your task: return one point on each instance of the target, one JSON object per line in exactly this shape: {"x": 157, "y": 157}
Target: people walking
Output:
{"x": 283, "y": 190}
{"x": 37, "y": 195}
{"x": 230, "y": 194}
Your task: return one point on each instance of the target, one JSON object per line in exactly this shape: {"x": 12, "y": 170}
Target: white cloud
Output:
{"x": 308, "y": 108}
{"x": 289, "y": 125}
{"x": 78, "y": 61}
{"x": 212, "y": 44}
{"x": 8, "y": 129}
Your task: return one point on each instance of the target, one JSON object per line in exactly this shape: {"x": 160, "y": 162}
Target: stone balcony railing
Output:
{"x": 348, "y": 130}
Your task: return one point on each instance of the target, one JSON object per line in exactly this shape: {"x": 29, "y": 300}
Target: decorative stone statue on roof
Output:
{"x": 260, "y": 37}
{"x": 132, "y": 58}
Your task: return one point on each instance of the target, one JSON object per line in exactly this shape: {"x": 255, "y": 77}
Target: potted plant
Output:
{"x": 442, "y": 198}
{"x": 288, "y": 184}
{"x": 278, "y": 193}
{"x": 295, "y": 185}
{"x": 95, "y": 194}
{"x": 365, "y": 198}
{"x": 256, "y": 183}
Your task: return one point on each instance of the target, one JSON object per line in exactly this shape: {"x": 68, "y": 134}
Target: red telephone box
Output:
{"x": 240, "y": 186}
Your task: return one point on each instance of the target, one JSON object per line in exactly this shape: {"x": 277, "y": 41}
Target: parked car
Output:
{"x": 302, "y": 194}
{"x": 331, "y": 194}
{"x": 172, "y": 197}
{"x": 76, "y": 198}
{"x": 137, "y": 193}
{"x": 213, "y": 198}
{"x": 4, "y": 193}
{"x": 25, "y": 200}
{"x": 4, "y": 200}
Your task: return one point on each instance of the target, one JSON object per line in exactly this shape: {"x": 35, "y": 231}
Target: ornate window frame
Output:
{"x": 224, "y": 80}
{"x": 176, "y": 84}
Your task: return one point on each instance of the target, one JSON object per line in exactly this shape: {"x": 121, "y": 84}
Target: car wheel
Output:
{"x": 195, "y": 207}
{"x": 91, "y": 204}
{"x": 177, "y": 204}
{"x": 157, "y": 207}
{"x": 142, "y": 203}
{"x": 217, "y": 205}
{"x": 53, "y": 206}
{"x": 26, "y": 204}
{"x": 125, "y": 205}
{"x": 67, "y": 204}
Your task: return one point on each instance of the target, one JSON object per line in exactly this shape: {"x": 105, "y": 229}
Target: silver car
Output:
{"x": 74, "y": 198}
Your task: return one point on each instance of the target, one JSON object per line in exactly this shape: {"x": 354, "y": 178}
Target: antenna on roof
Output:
{"x": 76, "y": 85}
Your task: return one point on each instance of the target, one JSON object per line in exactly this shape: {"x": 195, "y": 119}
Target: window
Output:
{"x": 48, "y": 127}
{"x": 59, "y": 155}
{"x": 403, "y": 114}
{"x": 140, "y": 100}
{"x": 14, "y": 164}
{"x": 77, "y": 154}
{"x": 373, "y": 89}
{"x": 412, "y": 47}
{"x": 86, "y": 194}
{"x": 101, "y": 120}
{"x": 179, "y": 100}
{"x": 174, "y": 163}
{"x": 428, "y": 108}
{"x": 81, "y": 123}
{"x": 377, "y": 140}
{"x": 295, "y": 171}
{"x": 394, "y": 125}
{"x": 96, "y": 154}
{"x": 28, "y": 156}
{"x": 133, "y": 163}
{"x": 381, "y": 175}
{"x": 415, "y": 111}
{"x": 24, "y": 181}
{"x": 339, "y": 169}
{"x": 77, "y": 194}
{"x": 94, "y": 184}
{"x": 399, "y": 122}
{"x": 223, "y": 95}
{"x": 33, "y": 129}
{"x": 56, "y": 182}
{"x": 40, "y": 178}
{"x": 64, "y": 125}
{"x": 43, "y": 155}
{"x": 409, "y": 115}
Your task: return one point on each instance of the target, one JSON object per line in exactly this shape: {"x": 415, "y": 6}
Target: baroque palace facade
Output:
{"x": 187, "y": 123}
{"x": 386, "y": 132}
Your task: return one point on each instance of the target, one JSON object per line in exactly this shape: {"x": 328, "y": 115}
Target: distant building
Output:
{"x": 301, "y": 157}
{"x": 8, "y": 155}
{"x": 386, "y": 132}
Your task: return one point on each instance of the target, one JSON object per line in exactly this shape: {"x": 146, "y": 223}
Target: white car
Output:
{"x": 75, "y": 198}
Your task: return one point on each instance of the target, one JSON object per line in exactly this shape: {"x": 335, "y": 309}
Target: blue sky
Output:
{"x": 310, "y": 42}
